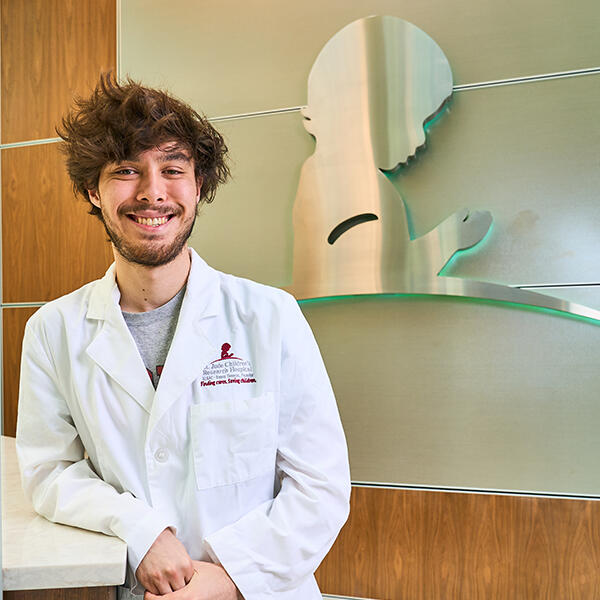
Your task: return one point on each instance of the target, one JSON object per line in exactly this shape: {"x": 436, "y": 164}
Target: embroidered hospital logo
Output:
{"x": 225, "y": 348}
{"x": 227, "y": 369}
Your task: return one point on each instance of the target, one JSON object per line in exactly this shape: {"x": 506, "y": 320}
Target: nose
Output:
{"x": 151, "y": 187}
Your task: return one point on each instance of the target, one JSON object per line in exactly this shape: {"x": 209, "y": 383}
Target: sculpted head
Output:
{"x": 376, "y": 83}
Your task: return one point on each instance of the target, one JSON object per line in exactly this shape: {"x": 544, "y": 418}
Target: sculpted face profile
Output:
{"x": 371, "y": 91}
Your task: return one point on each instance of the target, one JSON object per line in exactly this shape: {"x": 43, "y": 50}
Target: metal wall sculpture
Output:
{"x": 371, "y": 91}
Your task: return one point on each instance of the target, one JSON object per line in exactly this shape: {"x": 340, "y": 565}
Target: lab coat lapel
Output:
{"x": 113, "y": 348}
{"x": 190, "y": 350}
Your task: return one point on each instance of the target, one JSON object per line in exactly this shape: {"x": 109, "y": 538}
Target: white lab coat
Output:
{"x": 253, "y": 475}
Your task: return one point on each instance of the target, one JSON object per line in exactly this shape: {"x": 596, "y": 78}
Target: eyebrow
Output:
{"x": 177, "y": 155}
{"x": 168, "y": 155}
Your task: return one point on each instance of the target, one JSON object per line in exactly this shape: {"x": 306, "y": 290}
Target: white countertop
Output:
{"x": 38, "y": 554}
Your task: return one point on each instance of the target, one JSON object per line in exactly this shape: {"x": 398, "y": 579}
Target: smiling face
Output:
{"x": 148, "y": 204}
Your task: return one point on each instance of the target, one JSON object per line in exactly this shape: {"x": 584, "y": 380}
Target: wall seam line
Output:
{"x": 118, "y": 6}
{"x": 546, "y": 286}
{"x": 24, "y": 304}
{"x": 1, "y": 288}
{"x": 468, "y": 490}
{"x": 37, "y": 142}
{"x": 337, "y": 597}
{"x": 527, "y": 79}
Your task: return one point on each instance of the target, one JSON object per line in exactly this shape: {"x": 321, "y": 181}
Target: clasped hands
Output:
{"x": 168, "y": 573}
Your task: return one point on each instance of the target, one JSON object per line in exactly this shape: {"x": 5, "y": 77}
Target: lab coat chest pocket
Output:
{"x": 233, "y": 440}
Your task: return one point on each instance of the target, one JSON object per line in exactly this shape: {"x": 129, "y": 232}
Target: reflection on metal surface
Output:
{"x": 371, "y": 90}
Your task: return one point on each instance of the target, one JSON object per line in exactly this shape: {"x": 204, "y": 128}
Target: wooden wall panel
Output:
{"x": 51, "y": 51}
{"x": 422, "y": 545}
{"x": 13, "y": 326}
{"x": 50, "y": 245}
{"x": 94, "y": 593}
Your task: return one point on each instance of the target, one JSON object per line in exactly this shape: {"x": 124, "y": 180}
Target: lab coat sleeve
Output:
{"x": 57, "y": 479}
{"x": 276, "y": 546}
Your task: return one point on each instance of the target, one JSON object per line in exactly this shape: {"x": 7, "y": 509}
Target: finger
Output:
{"x": 163, "y": 587}
{"x": 150, "y": 596}
{"x": 153, "y": 584}
{"x": 178, "y": 582}
{"x": 151, "y": 589}
{"x": 189, "y": 572}
{"x": 182, "y": 594}
{"x": 176, "y": 594}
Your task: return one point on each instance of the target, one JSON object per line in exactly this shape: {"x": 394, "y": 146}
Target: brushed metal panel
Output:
{"x": 449, "y": 392}
{"x": 528, "y": 153}
{"x": 248, "y": 229}
{"x": 231, "y": 57}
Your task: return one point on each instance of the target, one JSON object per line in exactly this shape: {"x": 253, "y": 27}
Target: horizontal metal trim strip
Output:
{"x": 22, "y": 304}
{"x": 258, "y": 113}
{"x": 465, "y": 490}
{"x": 334, "y": 597}
{"x": 526, "y": 79}
{"x": 543, "y": 286}
{"x": 30, "y": 143}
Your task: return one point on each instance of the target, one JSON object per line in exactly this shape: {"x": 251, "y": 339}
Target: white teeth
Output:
{"x": 155, "y": 222}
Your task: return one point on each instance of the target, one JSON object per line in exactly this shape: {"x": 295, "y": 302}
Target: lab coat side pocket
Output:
{"x": 233, "y": 440}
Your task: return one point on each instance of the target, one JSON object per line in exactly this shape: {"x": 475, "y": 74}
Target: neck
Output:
{"x": 146, "y": 288}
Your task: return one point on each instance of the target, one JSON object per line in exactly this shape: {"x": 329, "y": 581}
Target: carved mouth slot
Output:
{"x": 348, "y": 224}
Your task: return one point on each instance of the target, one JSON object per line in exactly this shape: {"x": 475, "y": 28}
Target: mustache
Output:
{"x": 160, "y": 209}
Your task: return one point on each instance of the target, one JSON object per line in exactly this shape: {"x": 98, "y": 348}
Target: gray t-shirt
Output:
{"x": 153, "y": 332}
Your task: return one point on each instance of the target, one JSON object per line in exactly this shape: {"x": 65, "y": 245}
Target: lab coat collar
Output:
{"x": 104, "y": 295}
{"x": 115, "y": 351}
{"x": 113, "y": 348}
{"x": 202, "y": 288}
{"x": 201, "y": 285}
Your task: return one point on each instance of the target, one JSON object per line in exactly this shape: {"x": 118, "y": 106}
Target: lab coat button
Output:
{"x": 161, "y": 455}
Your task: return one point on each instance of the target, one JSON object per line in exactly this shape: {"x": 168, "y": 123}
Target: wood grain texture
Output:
{"x": 50, "y": 245}
{"x": 13, "y": 326}
{"x": 421, "y": 545}
{"x": 95, "y": 593}
{"x": 51, "y": 51}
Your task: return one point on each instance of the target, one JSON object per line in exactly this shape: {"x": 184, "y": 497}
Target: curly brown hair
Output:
{"x": 121, "y": 120}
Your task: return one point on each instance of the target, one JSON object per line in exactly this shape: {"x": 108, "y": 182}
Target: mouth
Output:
{"x": 150, "y": 221}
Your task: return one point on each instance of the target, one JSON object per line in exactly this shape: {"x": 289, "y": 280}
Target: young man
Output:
{"x": 184, "y": 410}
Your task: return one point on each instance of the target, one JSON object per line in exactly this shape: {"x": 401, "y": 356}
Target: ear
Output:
{"x": 94, "y": 197}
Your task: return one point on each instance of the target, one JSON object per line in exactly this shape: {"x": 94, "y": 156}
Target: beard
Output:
{"x": 149, "y": 253}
